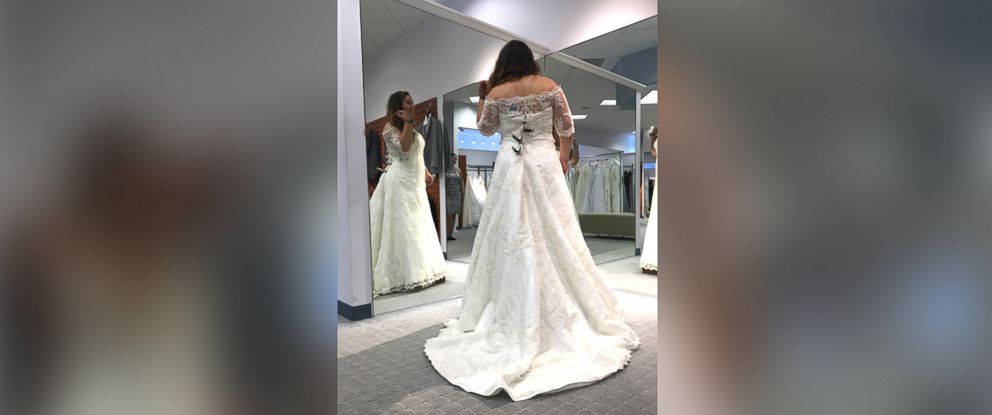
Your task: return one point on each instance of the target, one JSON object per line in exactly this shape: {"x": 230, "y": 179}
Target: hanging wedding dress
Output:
{"x": 649, "y": 252}
{"x": 406, "y": 253}
{"x": 468, "y": 203}
{"x": 536, "y": 316}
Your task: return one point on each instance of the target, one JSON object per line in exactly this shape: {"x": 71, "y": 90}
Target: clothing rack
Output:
{"x": 615, "y": 156}
{"x": 485, "y": 171}
{"x": 601, "y": 157}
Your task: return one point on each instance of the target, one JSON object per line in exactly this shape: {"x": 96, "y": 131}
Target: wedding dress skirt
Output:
{"x": 536, "y": 316}
{"x": 406, "y": 252}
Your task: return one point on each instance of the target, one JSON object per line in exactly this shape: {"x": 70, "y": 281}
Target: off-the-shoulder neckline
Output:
{"x": 551, "y": 91}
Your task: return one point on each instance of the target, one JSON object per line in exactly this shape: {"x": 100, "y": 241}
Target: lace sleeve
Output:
{"x": 562, "y": 115}
{"x": 394, "y": 150}
{"x": 489, "y": 122}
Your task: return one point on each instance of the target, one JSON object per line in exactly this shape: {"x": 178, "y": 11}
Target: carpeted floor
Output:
{"x": 382, "y": 368}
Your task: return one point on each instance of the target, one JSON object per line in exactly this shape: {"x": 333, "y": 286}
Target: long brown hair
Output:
{"x": 394, "y": 104}
{"x": 515, "y": 61}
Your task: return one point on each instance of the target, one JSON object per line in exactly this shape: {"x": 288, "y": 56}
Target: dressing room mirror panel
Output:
{"x": 410, "y": 58}
{"x": 604, "y": 130}
{"x": 632, "y": 52}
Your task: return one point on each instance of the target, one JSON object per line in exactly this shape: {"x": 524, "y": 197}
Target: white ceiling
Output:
{"x": 619, "y": 43}
{"x": 385, "y": 20}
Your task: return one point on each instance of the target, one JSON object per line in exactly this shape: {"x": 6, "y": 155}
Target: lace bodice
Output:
{"x": 394, "y": 149}
{"x": 540, "y": 112}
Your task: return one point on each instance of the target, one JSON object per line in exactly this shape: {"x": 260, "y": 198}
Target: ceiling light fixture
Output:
{"x": 475, "y": 100}
{"x": 608, "y": 102}
{"x": 579, "y": 117}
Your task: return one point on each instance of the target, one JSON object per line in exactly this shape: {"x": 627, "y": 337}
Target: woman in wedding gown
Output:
{"x": 536, "y": 316}
{"x": 649, "y": 253}
{"x": 406, "y": 253}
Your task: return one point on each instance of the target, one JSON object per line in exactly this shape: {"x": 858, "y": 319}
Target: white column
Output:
{"x": 355, "y": 258}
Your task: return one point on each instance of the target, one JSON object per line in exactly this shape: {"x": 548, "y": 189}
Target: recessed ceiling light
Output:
{"x": 579, "y": 117}
{"x": 475, "y": 100}
{"x": 651, "y": 97}
{"x": 608, "y": 102}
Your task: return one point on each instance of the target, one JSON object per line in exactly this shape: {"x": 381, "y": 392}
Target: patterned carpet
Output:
{"x": 382, "y": 370}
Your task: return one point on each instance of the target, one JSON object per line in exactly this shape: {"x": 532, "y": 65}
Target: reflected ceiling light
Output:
{"x": 579, "y": 117}
{"x": 651, "y": 97}
{"x": 475, "y": 100}
{"x": 608, "y": 102}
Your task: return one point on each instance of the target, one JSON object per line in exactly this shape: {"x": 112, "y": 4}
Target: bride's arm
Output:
{"x": 406, "y": 135}
{"x": 487, "y": 116}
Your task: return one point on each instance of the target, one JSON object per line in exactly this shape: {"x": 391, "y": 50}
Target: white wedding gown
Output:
{"x": 536, "y": 316}
{"x": 649, "y": 251}
{"x": 406, "y": 253}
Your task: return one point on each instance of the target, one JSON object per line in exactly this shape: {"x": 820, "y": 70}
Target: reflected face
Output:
{"x": 407, "y": 104}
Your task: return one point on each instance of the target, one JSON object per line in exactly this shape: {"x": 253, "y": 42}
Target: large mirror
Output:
{"x": 413, "y": 200}
{"x": 631, "y": 53}
{"x": 429, "y": 168}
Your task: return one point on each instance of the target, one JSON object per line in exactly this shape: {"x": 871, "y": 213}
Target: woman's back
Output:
{"x": 528, "y": 85}
{"x": 508, "y": 105}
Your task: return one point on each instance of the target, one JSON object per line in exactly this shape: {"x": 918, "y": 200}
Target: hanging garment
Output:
{"x": 468, "y": 203}
{"x": 373, "y": 155}
{"x": 649, "y": 251}
{"x": 406, "y": 253}
{"x": 583, "y": 187}
{"x": 614, "y": 180}
{"x": 628, "y": 194}
{"x": 536, "y": 316}
{"x": 437, "y": 146}
{"x": 479, "y": 199}
{"x": 598, "y": 195}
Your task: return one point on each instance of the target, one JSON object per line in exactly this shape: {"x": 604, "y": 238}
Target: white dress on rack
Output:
{"x": 536, "y": 316}
{"x": 649, "y": 252}
{"x": 479, "y": 199}
{"x": 475, "y": 198}
{"x": 406, "y": 252}
{"x": 468, "y": 202}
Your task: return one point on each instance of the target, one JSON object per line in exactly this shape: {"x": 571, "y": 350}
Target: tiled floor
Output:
{"x": 382, "y": 367}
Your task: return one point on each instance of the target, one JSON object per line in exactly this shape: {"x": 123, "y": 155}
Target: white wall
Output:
{"x": 354, "y": 252}
{"x": 591, "y": 137}
{"x": 464, "y": 115}
{"x": 479, "y": 157}
{"x": 557, "y": 24}
{"x": 432, "y": 59}
{"x": 585, "y": 150}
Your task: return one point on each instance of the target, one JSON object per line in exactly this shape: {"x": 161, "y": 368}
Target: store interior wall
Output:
{"x": 556, "y": 24}
{"x": 445, "y": 56}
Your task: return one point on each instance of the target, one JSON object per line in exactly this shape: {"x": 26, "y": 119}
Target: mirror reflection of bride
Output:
{"x": 406, "y": 253}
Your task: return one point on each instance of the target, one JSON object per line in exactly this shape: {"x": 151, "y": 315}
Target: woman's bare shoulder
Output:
{"x": 545, "y": 83}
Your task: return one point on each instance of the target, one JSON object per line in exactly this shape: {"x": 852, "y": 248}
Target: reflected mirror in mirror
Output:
{"x": 604, "y": 195}
{"x": 632, "y": 52}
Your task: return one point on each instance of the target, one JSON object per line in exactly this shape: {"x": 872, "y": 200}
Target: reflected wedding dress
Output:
{"x": 649, "y": 252}
{"x": 406, "y": 253}
{"x": 536, "y": 316}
